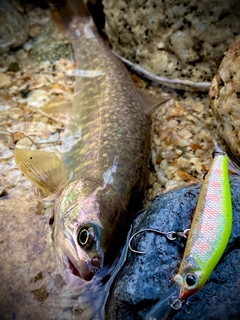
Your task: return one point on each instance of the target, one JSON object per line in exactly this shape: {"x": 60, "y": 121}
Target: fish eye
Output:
{"x": 86, "y": 236}
{"x": 83, "y": 237}
{"x": 191, "y": 280}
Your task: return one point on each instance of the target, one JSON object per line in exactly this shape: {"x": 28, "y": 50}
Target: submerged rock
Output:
{"x": 173, "y": 39}
{"x": 225, "y": 101}
{"x": 13, "y": 26}
{"x": 146, "y": 278}
{"x": 51, "y": 45}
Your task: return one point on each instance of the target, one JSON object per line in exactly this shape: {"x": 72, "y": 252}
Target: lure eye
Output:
{"x": 191, "y": 280}
{"x": 86, "y": 237}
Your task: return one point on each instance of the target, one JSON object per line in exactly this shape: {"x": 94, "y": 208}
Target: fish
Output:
{"x": 100, "y": 178}
{"x": 207, "y": 239}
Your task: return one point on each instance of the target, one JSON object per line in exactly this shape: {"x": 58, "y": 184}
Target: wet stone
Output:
{"x": 146, "y": 278}
{"x": 24, "y": 93}
{"x": 14, "y": 67}
{"x": 38, "y": 277}
{"x": 41, "y": 293}
{"x": 5, "y": 81}
{"x": 52, "y": 45}
{"x": 13, "y": 26}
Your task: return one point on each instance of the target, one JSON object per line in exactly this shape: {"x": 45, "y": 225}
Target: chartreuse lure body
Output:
{"x": 207, "y": 239}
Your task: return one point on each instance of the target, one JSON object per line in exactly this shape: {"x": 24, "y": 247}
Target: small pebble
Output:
{"x": 198, "y": 107}
{"x": 21, "y": 54}
{"x": 185, "y": 133}
{"x": 34, "y": 31}
{"x": 5, "y": 81}
{"x": 14, "y": 67}
{"x": 25, "y": 92}
{"x": 16, "y": 136}
{"x": 28, "y": 46}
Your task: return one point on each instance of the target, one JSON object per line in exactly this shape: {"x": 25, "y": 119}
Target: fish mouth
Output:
{"x": 83, "y": 272}
{"x": 74, "y": 270}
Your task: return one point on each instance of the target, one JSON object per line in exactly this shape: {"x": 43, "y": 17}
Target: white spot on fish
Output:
{"x": 77, "y": 33}
{"x": 84, "y": 73}
{"x": 107, "y": 176}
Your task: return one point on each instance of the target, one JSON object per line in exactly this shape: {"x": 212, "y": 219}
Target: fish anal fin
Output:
{"x": 44, "y": 169}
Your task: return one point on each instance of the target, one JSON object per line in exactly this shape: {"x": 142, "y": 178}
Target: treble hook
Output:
{"x": 171, "y": 235}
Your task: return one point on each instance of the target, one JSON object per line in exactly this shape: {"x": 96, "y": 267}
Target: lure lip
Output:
{"x": 167, "y": 305}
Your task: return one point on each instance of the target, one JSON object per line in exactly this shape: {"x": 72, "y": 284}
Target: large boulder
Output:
{"x": 146, "y": 278}
{"x": 174, "y": 39}
{"x": 225, "y": 101}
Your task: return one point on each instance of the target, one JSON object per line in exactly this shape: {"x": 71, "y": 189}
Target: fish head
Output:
{"x": 78, "y": 251}
{"x": 189, "y": 278}
{"x": 82, "y": 238}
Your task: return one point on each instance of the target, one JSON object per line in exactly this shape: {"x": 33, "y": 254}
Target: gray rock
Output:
{"x": 51, "y": 45}
{"x": 174, "y": 39}
{"x": 13, "y": 27}
{"x": 145, "y": 279}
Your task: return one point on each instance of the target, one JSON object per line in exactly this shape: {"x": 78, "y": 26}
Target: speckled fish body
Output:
{"x": 105, "y": 157}
{"x": 109, "y": 163}
{"x": 210, "y": 229}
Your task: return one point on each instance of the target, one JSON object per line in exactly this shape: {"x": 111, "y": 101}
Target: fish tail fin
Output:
{"x": 63, "y": 13}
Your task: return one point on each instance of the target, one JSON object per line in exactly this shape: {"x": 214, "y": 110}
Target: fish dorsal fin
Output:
{"x": 151, "y": 102}
{"x": 44, "y": 169}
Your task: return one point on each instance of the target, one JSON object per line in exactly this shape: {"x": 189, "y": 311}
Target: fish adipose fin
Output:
{"x": 44, "y": 169}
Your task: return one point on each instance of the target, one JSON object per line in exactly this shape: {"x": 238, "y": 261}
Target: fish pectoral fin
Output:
{"x": 152, "y": 102}
{"x": 44, "y": 169}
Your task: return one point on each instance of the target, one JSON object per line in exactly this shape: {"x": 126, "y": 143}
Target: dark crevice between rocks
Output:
{"x": 4, "y": 195}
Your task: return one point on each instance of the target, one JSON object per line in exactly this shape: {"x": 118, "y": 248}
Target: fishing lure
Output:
{"x": 207, "y": 239}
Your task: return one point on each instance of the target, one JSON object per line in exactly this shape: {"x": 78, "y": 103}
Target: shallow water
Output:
{"x": 34, "y": 110}
{"x": 30, "y": 284}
